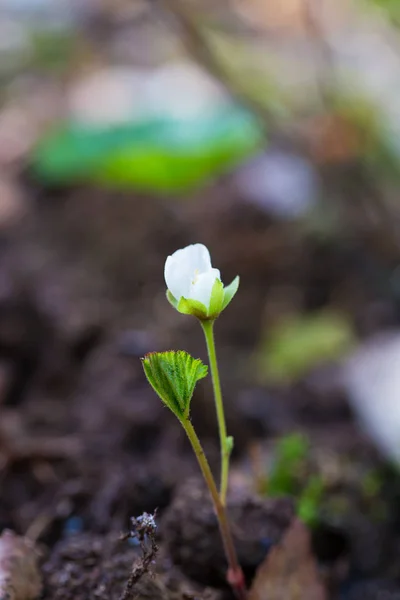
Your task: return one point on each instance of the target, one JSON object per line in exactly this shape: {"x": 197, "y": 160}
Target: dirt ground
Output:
{"x": 85, "y": 444}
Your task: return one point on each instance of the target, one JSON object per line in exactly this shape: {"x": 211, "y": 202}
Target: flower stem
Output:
{"x": 235, "y": 575}
{"x": 208, "y": 328}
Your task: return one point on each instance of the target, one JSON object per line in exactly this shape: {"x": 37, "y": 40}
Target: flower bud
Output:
{"x": 194, "y": 286}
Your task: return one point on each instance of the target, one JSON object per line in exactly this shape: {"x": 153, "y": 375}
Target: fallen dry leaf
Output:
{"x": 289, "y": 572}
{"x": 19, "y": 575}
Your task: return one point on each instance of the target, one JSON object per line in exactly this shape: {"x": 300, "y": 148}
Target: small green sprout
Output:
{"x": 194, "y": 288}
{"x": 310, "y": 499}
{"x": 291, "y": 452}
{"x": 289, "y": 476}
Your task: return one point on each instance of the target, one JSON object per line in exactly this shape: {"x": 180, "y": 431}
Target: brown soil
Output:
{"x": 85, "y": 444}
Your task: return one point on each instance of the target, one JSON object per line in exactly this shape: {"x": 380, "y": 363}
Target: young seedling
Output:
{"x": 195, "y": 288}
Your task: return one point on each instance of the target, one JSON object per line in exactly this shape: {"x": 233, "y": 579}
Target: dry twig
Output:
{"x": 144, "y": 530}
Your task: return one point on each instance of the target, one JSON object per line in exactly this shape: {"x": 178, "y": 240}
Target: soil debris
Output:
{"x": 143, "y": 529}
{"x": 84, "y": 565}
{"x": 19, "y": 575}
{"x": 191, "y": 530}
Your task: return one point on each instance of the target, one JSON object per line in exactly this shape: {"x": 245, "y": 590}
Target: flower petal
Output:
{"x": 202, "y": 287}
{"x": 183, "y": 266}
{"x": 199, "y": 257}
{"x": 195, "y": 255}
{"x": 178, "y": 277}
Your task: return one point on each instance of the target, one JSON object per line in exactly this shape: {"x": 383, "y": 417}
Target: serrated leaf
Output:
{"x": 192, "y": 307}
{"x": 230, "y": 291}
{"x": 173, "y": 376}
{"x": 217, "y": 298}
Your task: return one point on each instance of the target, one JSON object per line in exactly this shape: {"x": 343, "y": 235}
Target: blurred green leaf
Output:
{"x": 290, "y": 475}
{"x": 372, "y": 483}
{"x": 391, "y": 7}
{"x": 291, "y": 452}
{"x": 154, "y": 155}
{"x": 310, "y": 500}
{"x": 294, "y": 346}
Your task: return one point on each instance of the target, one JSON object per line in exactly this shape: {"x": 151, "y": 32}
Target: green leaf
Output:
{"x": 292, "y": 347}
{"x": 390, "y": 7}
{"x": 230, "y": 291}
{"x": 310, "y": 500}
{"x": 192, "y": 307}
{"x": 290, "y": 459}
{"x": 216, "y": 300}
{"x": 161, "y": 155}
{"x": 173, "y": 376}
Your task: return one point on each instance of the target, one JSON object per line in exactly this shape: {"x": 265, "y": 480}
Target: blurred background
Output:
{"x": 269, "y": 131}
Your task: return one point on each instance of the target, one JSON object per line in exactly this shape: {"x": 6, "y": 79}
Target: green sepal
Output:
{"x": 172, "y": 300}
{"x": 192, "y": 307}
{"x": 216, "y": 300}
{"x": 230, "y": 291}
{"x": 173, "y": 376}
{"x": 220, "y": 298}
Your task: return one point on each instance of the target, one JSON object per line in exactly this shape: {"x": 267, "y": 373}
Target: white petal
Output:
{"x": 183, "y": 266}
{"x": 199, "y": 257}
{"x": 178, "y": 277}
{"x": 202, "y": 287}
{"x": 195, "y": 255}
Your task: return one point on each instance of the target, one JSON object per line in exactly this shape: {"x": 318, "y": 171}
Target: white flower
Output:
{"x": 191, "y": 279}
{"x": 189, "y": 274}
